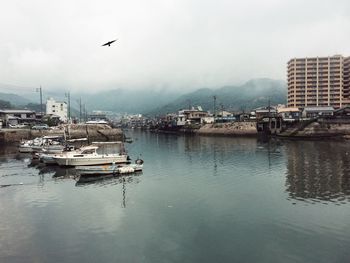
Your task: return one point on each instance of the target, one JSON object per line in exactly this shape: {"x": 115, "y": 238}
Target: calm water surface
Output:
{"x": 199, "y": 199}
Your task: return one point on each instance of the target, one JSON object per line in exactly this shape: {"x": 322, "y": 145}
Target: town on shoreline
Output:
{"x": 318, "y": 106}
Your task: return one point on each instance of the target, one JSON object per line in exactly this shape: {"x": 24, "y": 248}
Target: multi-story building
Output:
{"x": 58, "y": 108}
{"x": 319, "y": 81}
{"x": 14, "y": 117}
{"x": 346, "y": 80}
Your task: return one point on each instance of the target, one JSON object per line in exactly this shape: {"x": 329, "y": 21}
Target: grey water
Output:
{"x": 199, "y": 199}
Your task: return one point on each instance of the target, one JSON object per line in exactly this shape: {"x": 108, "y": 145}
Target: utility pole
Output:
{"x": 79, "y": 102}
{"x": 80, "y": 109}
{"x": 41, "y": 101}
{"x": 83, "y": 112}
{"x": 84, "y": 106}
{"x": 189, "y": 104}
{"x": 269, "y": 115}
{"x": 68, "y": 97}
{"x": 214, "y": 107}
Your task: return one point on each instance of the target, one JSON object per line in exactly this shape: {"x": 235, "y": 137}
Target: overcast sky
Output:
{"x": 163, "y": 43}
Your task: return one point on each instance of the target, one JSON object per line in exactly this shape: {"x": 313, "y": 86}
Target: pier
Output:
{"x": 93, "y": 132}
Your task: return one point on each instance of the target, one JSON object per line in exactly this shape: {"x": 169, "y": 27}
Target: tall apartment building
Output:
{"x": 319, "y": 81}
{"x": 58, "y": 108}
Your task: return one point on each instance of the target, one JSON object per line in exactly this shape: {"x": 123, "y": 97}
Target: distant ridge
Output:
{"x": 254, "y": 93}
{"x": 129, "y": 100}
{"x": 14, "y": 99}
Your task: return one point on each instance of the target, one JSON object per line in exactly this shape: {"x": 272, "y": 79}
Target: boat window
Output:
{"x": 89, "y": 151}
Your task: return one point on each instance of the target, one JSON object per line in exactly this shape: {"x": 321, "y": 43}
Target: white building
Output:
{"x": 58, "y": 108}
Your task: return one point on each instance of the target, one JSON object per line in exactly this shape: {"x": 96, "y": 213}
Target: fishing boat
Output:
{"x": 50, "y": 144}
{"x": 109, "y": 169}
{"x": 95, "y": 154}
{"x": 26, "y": 146}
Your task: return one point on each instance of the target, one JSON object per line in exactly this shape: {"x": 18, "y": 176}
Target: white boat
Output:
{"x": 27, "y": 146}
{"x": 47, "y": 158}
{"x": 109, "y": 169}
{"x": 89, "y": 156}
{"x": 48, "y": 149}
{"x": 52, "y": 144}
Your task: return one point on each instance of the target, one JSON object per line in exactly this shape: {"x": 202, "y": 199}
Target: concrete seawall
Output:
{"x": 229, "y": 129}
{"x": 94, "y": 132}
{"x": 319, "y": 129}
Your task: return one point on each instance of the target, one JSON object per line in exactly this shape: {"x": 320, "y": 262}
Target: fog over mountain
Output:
{"x": 163, "y": 44}
{"x": 252, "y": 94}
{"x": 167, "y": 52}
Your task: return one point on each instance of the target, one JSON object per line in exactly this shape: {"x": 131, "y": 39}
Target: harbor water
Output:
{"x": 198, "y": 199}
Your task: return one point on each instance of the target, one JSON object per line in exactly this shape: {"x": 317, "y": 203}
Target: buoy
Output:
{"x": 139, "y": 161}
{"x": 125, "y": 170}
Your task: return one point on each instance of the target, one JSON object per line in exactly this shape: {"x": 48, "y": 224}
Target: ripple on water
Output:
{"x": 254, "y": 201}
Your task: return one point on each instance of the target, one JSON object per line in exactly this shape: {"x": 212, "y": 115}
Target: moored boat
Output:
{"x": 109, "y": 169}
{"x": 50, "y": 144}
{"x": 89, "y": 156}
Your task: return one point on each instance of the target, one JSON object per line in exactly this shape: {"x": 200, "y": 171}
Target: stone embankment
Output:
{"x": 319, "y": 129}
{"x": 93, "y": 132}
{"x": 229, "y": 129}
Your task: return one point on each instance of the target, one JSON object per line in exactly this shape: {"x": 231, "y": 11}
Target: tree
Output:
{"x": 5, "y": 104}
{"x": 34, "y": 107}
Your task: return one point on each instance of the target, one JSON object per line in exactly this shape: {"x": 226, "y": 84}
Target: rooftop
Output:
{"x": 319, "y": 108}
{"x": 289, "y": 109}
{"x": 17, "y": 111}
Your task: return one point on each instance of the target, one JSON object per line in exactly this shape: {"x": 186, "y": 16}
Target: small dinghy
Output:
{"x": 110, "y": 169}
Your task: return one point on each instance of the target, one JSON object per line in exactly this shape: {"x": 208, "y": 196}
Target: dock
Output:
{"x": 93, "y": 132}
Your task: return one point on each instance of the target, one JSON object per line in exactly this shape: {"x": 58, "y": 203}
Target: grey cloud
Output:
{"x": 179, "y": 44}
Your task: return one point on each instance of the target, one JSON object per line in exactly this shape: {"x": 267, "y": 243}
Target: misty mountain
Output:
{"x": 14, "y": 99}
{"x": 131, "y": 101}
{"x": 5, "y": 104}
{"x": 254, "y": 93}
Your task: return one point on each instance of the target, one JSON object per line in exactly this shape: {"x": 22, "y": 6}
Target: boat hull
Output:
{"x": 25, "y": 149}
{"x": 108, "y": 169}
{"x": 82, "y": 161}
{"x": 47, "y": 159}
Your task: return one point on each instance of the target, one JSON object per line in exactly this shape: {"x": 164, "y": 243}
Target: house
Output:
{"x": 342, "y": 112}
{"x": 289, "y": 114}
{"x": 195, "y": 116}
{"x": 318, "y": 111}
{"x": 265, "y": 112}
{"x": 224, "y": 114}
{"x": 181, "y": 118}
{"x": 51, "y": 119}
{"x": 15, "y": 117}
{"x": 208, "y": 120}
{"x": 97, "y": 116}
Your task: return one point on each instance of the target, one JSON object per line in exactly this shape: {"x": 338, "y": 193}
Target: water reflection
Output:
{"x": 57, "y": 172}
{"x": 110, "y": 180}
{"x": 318, "y": 171}
{"x": 104, "y": 180}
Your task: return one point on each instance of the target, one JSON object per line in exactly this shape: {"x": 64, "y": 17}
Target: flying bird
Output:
{"x": 109, "y": 43}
